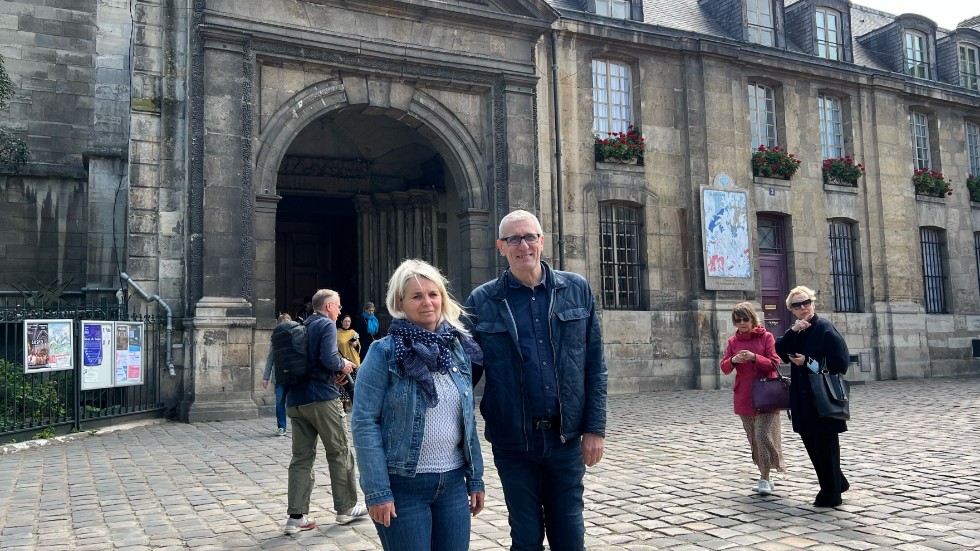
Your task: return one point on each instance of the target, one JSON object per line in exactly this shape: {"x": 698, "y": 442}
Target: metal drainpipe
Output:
{"x": 558, "y": 186}
{"x": 170, "y": 318}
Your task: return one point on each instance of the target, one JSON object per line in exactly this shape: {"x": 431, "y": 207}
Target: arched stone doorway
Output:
{"x": 360, "y": 193}
{"x": 399, "y": 168}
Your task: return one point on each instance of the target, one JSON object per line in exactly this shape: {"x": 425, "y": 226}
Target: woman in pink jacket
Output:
{"x": 751, "y": 353}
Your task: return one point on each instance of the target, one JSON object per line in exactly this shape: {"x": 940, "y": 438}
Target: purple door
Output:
{"x": 772, "y": 273}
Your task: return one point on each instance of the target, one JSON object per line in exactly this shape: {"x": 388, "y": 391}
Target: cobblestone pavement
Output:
{"x": 677, "y": 475}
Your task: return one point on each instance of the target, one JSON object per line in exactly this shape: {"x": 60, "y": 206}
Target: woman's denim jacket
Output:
{"x": 388, "y": 421}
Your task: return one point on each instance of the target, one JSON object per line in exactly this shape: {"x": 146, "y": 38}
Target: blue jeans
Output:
{"x": 543, "y": 489}
{"x": 433, "y": 513}
{"x": 281, "y": 406}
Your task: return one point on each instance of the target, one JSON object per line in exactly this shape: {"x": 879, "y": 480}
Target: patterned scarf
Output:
{"x": 421, "y": 352}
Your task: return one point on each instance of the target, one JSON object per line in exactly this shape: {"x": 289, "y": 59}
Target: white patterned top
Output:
{"x": 443, "y": 437}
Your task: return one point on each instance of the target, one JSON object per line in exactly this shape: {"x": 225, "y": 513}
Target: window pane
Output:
{"x": 973, "y": 147}
{"x": 920, "y": 141}
{"x": 612, "y": 109}
{"x": 916, "y": 61}
{"x": 828, "y": 34}
{"x": 831, "y": 129}
{"x": 762, "y": 115}
{"x": 758, "y": 15}
{"x": 619, "y": 239}
{"x": 968, "y": 67}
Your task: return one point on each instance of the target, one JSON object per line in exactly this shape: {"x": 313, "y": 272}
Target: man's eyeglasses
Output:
{"x": 801, "y": 304}
{"x": 515, "y": 240}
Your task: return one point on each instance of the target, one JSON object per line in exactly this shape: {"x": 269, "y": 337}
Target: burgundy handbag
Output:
{"x": 770, "y": 394}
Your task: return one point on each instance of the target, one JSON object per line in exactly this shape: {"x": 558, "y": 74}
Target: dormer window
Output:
{"x": 968, "y": 67}
{"x": 758, "y": 15}
{"x": 620, "y": 9}
{"x": 916, "y": 54}
{"x": 829, "y": 34}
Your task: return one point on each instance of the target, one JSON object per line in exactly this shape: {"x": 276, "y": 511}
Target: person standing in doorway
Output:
{"x": 306, "y": 311}
{"x": 371, "y": 328}
{"x": 545, "y": 397}
{"x": 280, "y": 389}
{"x": 315, "y": 409}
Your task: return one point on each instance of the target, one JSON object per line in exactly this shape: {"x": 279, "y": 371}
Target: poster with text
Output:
{"x": 129, "y": 353}
{"x": 48, "y": 346}
{"x": 97, "y": 354}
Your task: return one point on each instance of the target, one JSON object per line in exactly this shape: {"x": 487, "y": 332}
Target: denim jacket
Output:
{"x": 388, "y": 422}
{"x": 576, "y": 340}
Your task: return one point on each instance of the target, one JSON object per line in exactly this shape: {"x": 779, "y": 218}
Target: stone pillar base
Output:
{"x": 220, "y": 384}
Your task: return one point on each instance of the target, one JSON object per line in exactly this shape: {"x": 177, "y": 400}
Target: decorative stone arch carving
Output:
{"x": 404, "y": 102}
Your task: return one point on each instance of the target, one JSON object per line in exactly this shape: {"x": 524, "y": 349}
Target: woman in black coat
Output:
{"x": 812, "y": 340}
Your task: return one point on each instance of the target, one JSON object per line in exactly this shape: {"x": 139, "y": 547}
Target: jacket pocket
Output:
{"x": 572, "y": 323}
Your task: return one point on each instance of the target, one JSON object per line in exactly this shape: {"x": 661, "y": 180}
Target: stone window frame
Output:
{"x": 838, "y": 45}
{"x": 631, "y": 89}
{"x": 778, "y": 127}
{"x": 967, "y": 78}
{"x": 613, "y": 237}
{"x": 935, "y": 271}
{"x": 845, "y": 266}
{"x": 756, "y": 26}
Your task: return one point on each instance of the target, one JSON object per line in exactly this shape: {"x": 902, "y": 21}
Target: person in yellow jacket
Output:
{"x": 349, "y": 346}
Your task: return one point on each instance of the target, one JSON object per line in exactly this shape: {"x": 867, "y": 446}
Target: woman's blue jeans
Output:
{"x": 433, "y": 513}
{"x": 281, "y": 406}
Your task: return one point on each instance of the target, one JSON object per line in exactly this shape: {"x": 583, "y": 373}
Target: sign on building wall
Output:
{"x": 129, "y": 353}
{"x": 725, "y": 232}
{"x": 98, "y": 354}
{"x": 48, "y": 346}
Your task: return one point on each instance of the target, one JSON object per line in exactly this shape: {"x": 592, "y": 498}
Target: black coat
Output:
{"x": 821, "y": 341}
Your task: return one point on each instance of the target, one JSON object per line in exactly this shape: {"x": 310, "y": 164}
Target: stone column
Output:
{"x": 221, "y": 381}
{"x": 476, "y": 262}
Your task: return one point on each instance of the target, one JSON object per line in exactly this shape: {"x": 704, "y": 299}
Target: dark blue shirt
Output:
{"x": 530, "y": 309}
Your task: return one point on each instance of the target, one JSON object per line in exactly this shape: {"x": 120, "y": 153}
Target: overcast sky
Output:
{"x": 946, "y": 13}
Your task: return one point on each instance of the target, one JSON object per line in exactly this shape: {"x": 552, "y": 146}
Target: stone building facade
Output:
{"x": 232, "y": 157}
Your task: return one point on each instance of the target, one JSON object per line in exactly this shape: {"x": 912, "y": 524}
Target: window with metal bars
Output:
{"x": 934, "y": 269}
{"x": 619, "y": 241}
{"x": 976, "y": 251}
{"x": 843, "y": 268}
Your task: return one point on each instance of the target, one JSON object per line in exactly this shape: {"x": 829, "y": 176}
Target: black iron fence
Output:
{"x": 46, "y": 403}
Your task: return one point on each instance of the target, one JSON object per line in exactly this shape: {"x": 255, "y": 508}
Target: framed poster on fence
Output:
{"x": 129, "y": 353}
{"x": 98, "y": 354}
{"x": 48, "y": 346}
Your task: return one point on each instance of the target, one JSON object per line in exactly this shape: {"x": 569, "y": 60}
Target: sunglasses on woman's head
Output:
{"x": 801, "y": 304}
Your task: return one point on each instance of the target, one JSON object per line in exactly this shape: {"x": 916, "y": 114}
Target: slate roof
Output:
{"x": 690, "y": 16}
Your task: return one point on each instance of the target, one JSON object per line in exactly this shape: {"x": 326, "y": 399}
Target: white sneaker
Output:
{"x": 358, "y": 510}
{"x": 764, "y": 487}
{"x": 294, "y": 525}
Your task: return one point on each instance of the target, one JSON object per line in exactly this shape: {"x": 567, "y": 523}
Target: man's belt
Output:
{"x": 545, "y": 423}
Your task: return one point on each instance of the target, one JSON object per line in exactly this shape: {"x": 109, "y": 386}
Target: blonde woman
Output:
{"x": 751, "y": 354}
{"x": 413, "y": 422}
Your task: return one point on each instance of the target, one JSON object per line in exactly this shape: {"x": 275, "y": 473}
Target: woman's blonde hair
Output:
{"x": 810, "y": 294}
{"x": 746, "y": 310}
{"x": 414, "y": 268}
